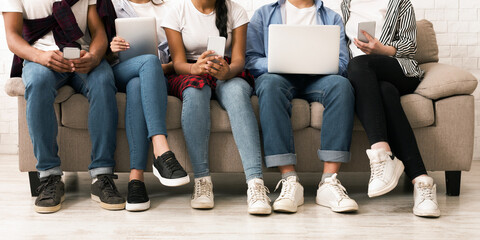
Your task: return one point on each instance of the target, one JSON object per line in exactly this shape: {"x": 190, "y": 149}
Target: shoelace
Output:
{"x": 137, "y": 190}
{"x": 48, "y": 187}
{"x": 172, "y": 164}
{"x": 339, "y": 189}
{"x": 377, "y": 169}
{"x": 259, "y": 193}
{"x": 287, "y": 189}
{"x": 202, "y": 187}
{"x": 426, "y": 191}
{"x": 108, "y": 185}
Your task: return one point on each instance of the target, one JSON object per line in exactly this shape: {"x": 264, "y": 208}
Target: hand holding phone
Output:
{"x": 217, "y": 44}
{"x": 71, "y": 53}
{"x": 368, "y": 27}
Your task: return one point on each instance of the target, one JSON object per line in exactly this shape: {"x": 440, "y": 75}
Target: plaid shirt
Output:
{"x": 64, "y": 26}
{"x": 178, "y": 83}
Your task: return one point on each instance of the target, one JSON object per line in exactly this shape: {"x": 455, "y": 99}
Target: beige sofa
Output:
{"x": 441, "y": 111}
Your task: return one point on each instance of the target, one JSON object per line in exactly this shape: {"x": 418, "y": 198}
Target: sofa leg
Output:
{"x": 34, "y": 183}
{"x": 452, "y": 180}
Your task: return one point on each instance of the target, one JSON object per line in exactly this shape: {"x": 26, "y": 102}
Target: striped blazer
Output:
{"x": 399, "y": 31}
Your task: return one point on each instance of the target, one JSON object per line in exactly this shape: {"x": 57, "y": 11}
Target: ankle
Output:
{"x": 136, "y": 174}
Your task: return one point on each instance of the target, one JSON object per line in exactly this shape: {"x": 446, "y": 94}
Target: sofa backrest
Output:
{"x": 427, "y": 48}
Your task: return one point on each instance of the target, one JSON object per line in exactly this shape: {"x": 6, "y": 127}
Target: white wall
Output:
{"x": 456, "y": 22}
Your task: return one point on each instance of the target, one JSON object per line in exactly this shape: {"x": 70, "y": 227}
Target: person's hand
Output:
{"x": 218, "y": 68}
{"x": 119, "y": 44}
{"x": 374, "y": 46}
{"x": 86, "y": 62}
{"x": 200, "y": 67}
{"x": 54, "y": 60}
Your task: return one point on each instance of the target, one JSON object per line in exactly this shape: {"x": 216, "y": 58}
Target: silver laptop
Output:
{"x": 140, "y": 33}
{"x": 299, "y": 49}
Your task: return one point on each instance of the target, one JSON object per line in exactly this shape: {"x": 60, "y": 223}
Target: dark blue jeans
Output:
{"x": 143, "y": 80}
{"x": 98, "y": 86}
{"x": 275, "y": 93}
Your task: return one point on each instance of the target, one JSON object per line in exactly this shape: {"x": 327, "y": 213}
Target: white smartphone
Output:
{"x": 71, "y": 53}
{"x": 368, "y": 27}
{"x": 216, "y": 44}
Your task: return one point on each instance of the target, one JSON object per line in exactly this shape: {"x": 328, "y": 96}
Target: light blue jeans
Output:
{"x": 275, "y": 93}
{"x": 142, "y": 79}
{"x": 234, "y": 96}
{"x": 98, "y": 86}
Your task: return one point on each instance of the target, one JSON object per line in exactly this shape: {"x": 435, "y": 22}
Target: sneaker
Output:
{"x": 386, "y": 169}
{"x": 425, "y": 197}
{"x": 105, "y": 192}
{"x": 51, "y": 194}
{"x": 202, "y": 197}
{"x": 332, "y": 194}
{"x": 169, "y": 171}
{"x": 290, "y": 197}
{"x": 258, "y": 201}
{"x": 137, "y": 197}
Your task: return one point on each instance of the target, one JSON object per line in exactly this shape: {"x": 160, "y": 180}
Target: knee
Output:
{"x": 235, "y": 89}
{"x": 102, "y": 79}
{"x": 150, "y": 61}
{"x": 356, "y": 65}
{"x": 269, "y": 86}
{"x": 388, "y": 91}
{"x": 343, "y": 87}
{"x": 196, "y": 96}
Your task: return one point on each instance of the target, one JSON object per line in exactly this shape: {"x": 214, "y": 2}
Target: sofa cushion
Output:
{"x": 427, "y": 49}
{"x": 14, "y": 87}
{"x": 75, "y": 112}
{"x": 419, "y": 111}
{"x": 441, "y": 80}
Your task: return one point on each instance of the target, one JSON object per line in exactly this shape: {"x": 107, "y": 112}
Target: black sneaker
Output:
{"x": 105, "y": 192}
{"x": 51, "y": 194}
{"x": 169, "y": 171}
{"x": 137, "y": 197}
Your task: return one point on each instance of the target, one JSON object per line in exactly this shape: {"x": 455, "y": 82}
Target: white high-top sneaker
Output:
{"x": 425, "y": 197}
{"x": 386, "y": 169}
{"x": 202, "y": 197}
{"x": 258, "y": 201}
{"x": 332, "y": 194}
{"x": 290, "y": 197}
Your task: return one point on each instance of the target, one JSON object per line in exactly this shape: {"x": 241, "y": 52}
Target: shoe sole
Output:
{"x": 201, "y": 205}
{"x": 108, "y": 206}
{"x": 287, "y": 209}
{"x": 391, "y": 185}
{"x": 171, "y": 182}
{"x": 137, "y": 207}
{"x": 52, "y": 209}
{"x": 421, "y": 213}
{"x": 336, "y": 209}
{"x": 260, "y": 211}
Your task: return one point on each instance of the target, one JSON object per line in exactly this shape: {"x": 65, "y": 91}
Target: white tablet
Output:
{"x": 140, "y": 33}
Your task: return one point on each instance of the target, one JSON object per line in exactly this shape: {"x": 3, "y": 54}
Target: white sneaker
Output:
{"x": 425, "y": 197}
{"x": 386, "y": 169}
{"x": 332, "y": 194}
{"x": 202, "y": 197}
{"x": 258, "y": 201}
{"x": 290, "y": 197}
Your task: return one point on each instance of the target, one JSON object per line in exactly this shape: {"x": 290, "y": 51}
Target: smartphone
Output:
{"x": 368, "y": 27}
{"x": 216, "y": 44}
{"x": 71, "y": 53}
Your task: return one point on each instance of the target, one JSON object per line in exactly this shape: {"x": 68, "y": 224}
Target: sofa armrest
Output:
{"x": 442, "y": 80}
{"x": 14, "y": 87}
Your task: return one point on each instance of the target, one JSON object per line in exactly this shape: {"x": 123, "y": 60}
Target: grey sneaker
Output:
{"x": 51, "y": 194}
{"x": 105, "y": 192}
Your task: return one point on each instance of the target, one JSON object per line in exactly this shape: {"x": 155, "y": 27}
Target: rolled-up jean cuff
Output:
{"x": 101, "y": 170}
{"x": 51, "y": 171}
{"x": 155, "y": 133}
{"x": 281, "y": 160}
{"x": 333, "y": 156}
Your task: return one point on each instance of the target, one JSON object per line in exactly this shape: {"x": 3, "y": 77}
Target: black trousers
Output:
{"x": 379, "y": 82}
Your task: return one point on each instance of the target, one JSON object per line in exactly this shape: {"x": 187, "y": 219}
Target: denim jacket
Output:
{"x": 273, "y": 13}
{"x": 125, "y": 10}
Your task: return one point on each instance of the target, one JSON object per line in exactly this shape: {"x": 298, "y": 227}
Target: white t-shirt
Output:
{"x": 365, "y": 11}
{"x": 196, "y": 27}
{"x": 151, "y": 10}
{"x": 35, "y": 9}
{"x": 300, "y": 16}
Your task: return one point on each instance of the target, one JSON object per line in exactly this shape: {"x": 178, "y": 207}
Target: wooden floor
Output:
{"x": 170, "y": 217}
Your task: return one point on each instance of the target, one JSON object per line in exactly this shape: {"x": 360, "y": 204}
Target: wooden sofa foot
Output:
{"x": 34, "y": 183}
{"x": 452, "y": 180}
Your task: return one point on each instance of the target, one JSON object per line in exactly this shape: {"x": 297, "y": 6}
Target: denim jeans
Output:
{"x": 98, "y": 86}
{"x": 275, "y": 93}
{"x": 234, "y": 96}
{"x": 142, "y": 79}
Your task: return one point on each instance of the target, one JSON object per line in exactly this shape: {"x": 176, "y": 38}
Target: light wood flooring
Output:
{"x": 170, "y": 216}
